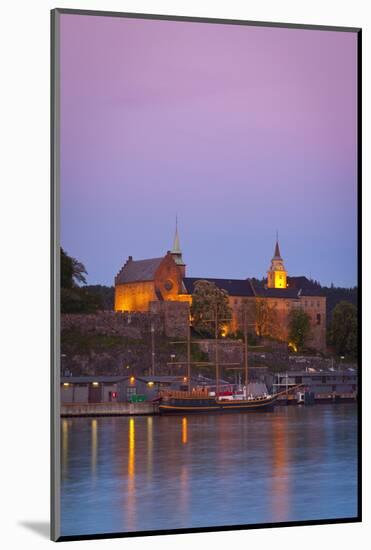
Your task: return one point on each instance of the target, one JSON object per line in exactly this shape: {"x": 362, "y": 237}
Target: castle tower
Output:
{"x": 176, "y": 251}
{"x": 277, "y": 274}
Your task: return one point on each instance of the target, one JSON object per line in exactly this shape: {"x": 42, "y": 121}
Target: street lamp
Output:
{"x": 341, "y": 361}
{"x": 66, "y": 372}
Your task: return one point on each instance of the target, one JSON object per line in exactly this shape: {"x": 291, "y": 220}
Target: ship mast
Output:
{"x": 189, "y": 357}
{"x": 216, "y": 353}
{"x": 245, "y": 352}
{"x": 217, "y": 363}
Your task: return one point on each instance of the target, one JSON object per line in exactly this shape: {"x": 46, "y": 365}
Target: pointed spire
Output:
{"x": 176, "y": 244}
{"x": 277, "y": 253}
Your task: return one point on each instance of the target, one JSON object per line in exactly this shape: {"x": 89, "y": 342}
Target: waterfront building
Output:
{"x": 110, "y": 389}
{"x": 324, "y": 384}
{"x": 142, "y": 283}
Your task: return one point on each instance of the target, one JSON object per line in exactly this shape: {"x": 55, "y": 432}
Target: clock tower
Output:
{"x": 277, "y": 274}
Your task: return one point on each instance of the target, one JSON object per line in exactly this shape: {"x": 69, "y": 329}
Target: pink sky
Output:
{"x": 239, "y": 130}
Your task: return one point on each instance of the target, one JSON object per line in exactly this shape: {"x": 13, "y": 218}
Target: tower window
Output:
{"x": 318, "y": 319}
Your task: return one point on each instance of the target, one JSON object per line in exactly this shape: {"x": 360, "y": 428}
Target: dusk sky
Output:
{"x": 238, "y": 130}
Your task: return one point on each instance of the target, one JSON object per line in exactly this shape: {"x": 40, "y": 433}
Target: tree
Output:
{"x": 265, "y": 317}
{"x": 299, "y": 327}
{"x": 72, "y": 271}
{"x": 76, "y": 299}
{"x": 208, "y": 301}
{"x": 343, "y": 329}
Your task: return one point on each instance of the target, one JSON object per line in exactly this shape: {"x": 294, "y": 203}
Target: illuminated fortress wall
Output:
{"x": 134, "y": 296}
{"x": 315, "y": 307}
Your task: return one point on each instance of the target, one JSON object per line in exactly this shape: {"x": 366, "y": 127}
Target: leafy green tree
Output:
{"x": 209, "y": 301}
{"x": 106, "y": 295}
{"x": 265, "y": 317}
{"x": 79, "y": 300}
{"x": 299, "y": 327}
{"x": 74, "y": 298}
{"x": 72, "y": 271}
{"x": 343, "y": 329}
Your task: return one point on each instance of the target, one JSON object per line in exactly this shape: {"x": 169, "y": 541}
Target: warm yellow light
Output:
{"x": 292, "y": 345}
{"x": 150, "y": 384}
{"x": 280, "y": 279}
{"x": 131, "y": 458}
{"x": 132, "y": 379}
{"x": 224, "y": 331}
{"x": 184, "y": 379}
{"x": 66, "y": 384}
{"x": 95, "y": 383}
{"x": 184, "y": 431}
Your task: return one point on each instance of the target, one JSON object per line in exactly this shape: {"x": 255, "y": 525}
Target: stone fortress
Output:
{"x": 153, "y": 285}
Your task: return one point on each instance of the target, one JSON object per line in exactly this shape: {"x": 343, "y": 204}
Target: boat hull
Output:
{"x": 207, "y": 406}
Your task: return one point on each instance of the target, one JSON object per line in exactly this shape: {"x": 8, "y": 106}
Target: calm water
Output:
{"x": 146, "y": 473}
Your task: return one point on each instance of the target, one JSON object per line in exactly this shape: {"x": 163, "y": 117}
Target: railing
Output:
{"x": 183, "y": 394}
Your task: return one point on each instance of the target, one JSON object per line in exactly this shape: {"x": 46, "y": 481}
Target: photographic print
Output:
{"x": 206, "y": 361}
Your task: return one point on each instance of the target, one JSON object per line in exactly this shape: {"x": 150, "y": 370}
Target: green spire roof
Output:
{"x": 176, "y": 244}
{"x": 175, "y": 251}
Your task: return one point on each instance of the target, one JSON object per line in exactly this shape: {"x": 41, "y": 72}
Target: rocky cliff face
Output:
{"x": 109, "y": 343}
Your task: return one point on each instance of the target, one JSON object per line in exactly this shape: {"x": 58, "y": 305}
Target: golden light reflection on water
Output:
{"x": 94, "y": 446}
{"x": 149, "y": 445}
{"x": 280, "y": 489}
{"x": 184, "y": 430}
{"x": 131, "y": 496}
{"x": 64, "y": 447}
{"x": 184, "y": 476}
{"x": 131, "y": 460}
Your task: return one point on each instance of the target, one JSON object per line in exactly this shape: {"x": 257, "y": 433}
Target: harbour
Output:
{"x": 130, "y": 396}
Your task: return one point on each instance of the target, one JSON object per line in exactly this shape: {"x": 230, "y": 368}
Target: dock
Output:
{"x": 109, "y": 409}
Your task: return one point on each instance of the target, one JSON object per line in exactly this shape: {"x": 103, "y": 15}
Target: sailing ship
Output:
{"x": 208, "y": 400}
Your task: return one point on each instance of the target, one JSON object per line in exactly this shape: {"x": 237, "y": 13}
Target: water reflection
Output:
{"x": 184, "y": 493}
{"x": 148, "y": 473}
{"x": 131, "y": 446}
{"x": 280, "y": 488}
{"x": 64, "y": 461}
{"x": 184, "y": 431}
{"x": 131, "y": 493}
{"x": 94, "y": 446}
{"x": 149, "y": 446}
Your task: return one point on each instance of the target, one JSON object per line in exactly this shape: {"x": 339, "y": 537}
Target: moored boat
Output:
{"x": 200, "y": 402}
